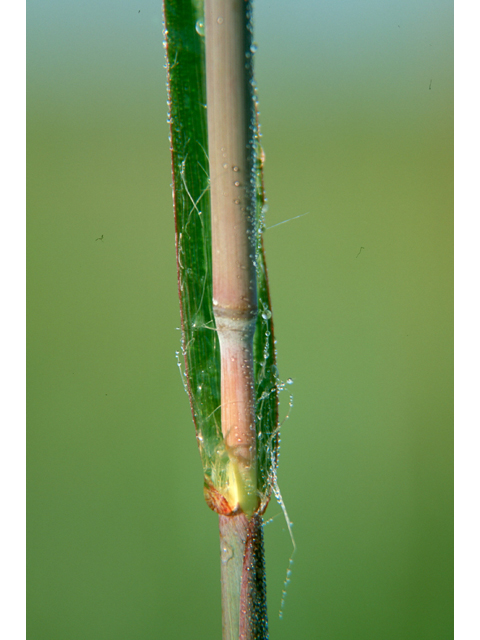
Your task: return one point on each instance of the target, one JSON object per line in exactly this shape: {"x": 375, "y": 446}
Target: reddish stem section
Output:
{"x": 231, "y": 148}
{"x": 244, "y": 603}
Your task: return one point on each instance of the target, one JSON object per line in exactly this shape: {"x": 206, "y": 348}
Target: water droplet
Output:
{"x": 220, "y": 20}
{"x": 225, "y": 166}
{"x": 254, "y": 47}
{"x": 266, "y": 314}
{"x": 200, "y": 27}
{"x": 236, "y": 183}
{"x": 289, "y": 381}
{"x": 237, "y": 201}
{"x": 227, "y": 552}
{"x": 236, "y": 169}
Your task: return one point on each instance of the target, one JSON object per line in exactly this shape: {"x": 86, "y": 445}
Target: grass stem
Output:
{"x": 244, "y": 609}
{"x": 231, "y": 145}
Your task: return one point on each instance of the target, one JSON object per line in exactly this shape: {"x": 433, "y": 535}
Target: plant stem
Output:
{"x": 244, "y": 609}
{"x": 231, "y": 145}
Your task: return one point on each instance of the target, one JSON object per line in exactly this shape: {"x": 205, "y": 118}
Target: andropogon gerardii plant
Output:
{"x": 227, "y": 330}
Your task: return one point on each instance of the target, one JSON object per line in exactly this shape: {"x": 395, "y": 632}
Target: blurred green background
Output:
{"x": 357, "y": 117}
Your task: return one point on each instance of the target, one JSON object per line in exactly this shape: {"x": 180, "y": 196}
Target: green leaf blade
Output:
{"x": 189, "y": 145}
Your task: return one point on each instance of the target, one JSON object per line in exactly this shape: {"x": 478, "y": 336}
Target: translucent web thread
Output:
{"x": 278, "y": 496}
{"x": 182, "y": 373}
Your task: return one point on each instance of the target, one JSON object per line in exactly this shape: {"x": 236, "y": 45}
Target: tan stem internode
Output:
{"x": 231, "y": 153}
